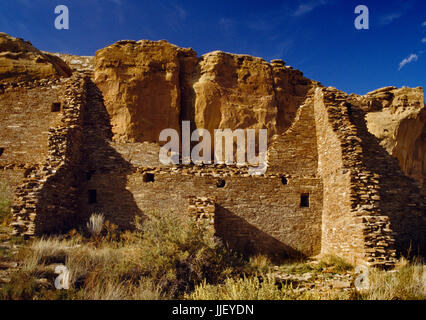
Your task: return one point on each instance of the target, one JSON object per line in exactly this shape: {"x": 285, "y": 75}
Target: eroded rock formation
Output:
{"x": 20, "y": 61}
{"x": 140, "y": 83}
{"x": 149, "y": 86}
{"x": 397, "y": 118}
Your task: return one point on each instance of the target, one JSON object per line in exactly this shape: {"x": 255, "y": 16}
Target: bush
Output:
{"x": 165, "y": 257}
{"x": 246, "y": 288}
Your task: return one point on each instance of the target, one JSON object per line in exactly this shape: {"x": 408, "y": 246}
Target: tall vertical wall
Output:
{"x": 341, "y": 234}
{"x": 370, "y": 207}
{"x": 26, "y": 116}
{"x": 46, "y": 201}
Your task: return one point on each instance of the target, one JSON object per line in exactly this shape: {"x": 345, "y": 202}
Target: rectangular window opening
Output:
{"x": 304, "y": 200}
{"x": 1, "y": 151}
{"x": 148, "y": 177}
{"x": 56, "y": 107}
{"x": 93, "y": 197}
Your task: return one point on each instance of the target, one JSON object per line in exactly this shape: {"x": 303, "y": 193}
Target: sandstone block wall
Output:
{"x": 26, "y": 116}
{"x": 46, "y": 201}
{"x": 370, "y": 207}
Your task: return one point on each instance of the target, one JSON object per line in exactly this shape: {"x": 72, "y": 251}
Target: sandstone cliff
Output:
{"x": 397, "y": 117}
{"x": 149, "y": 86}
{"x": 152, "y": 85}
{"x": 20, "y": 61}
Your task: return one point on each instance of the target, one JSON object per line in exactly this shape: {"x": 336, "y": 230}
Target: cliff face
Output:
{"x": 140, "y": 83}
{"x": 152, "y": 85}
{"x": 149, "y": 86}
{"x": 397, "y": 118}
{"x": 20, "y": 61}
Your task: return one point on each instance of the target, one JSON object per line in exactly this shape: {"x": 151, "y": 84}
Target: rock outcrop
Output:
{"x": 82, "y": 64}
{"x": 397, "y": 117}
{"x": 234, "y": 91}
{"x": 140, "y": 84}
{"x": 20, "y": 61}
{"x": 149, "y": 86}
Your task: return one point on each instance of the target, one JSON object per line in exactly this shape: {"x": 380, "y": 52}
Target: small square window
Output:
{"x": 1, "y": 151}
{"x": 56, "y": 107}
{"x": 220, "y": 183}
{"x": 148, "y": 177}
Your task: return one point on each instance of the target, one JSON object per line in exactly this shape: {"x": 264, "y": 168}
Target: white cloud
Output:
{"x": 424, "y": 40}
{"x": 412, "y": 57}
{"x": 424, "y": 24}
{"x": 384, "y": 20}
{"x": 304, "y": 8}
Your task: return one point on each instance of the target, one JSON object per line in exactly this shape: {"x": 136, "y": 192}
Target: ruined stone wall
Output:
{"x": 253, "y": 214}
{"x": 46, "y": 200}
{"x": 370, "y": 207}
{"x": 340, "y": 234}
{"x": 25, "y": 117}
{"x": 294, "y": 152}
{"x": 331, "y": 186}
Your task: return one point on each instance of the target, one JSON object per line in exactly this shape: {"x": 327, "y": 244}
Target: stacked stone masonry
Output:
{"x": 202, "y": 209}
{"x": 331, "y": 186}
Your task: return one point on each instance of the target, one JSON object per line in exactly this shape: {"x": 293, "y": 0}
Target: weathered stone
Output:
{"x": 20, "y": 61}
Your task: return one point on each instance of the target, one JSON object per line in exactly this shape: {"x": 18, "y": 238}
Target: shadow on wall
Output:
{"x": 400, "y": 196}
{"x": 104, "y": 170}
{"x": 243, "y": 237}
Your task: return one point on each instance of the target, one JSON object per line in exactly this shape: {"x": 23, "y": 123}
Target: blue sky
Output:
{"x": 315, "y": 36}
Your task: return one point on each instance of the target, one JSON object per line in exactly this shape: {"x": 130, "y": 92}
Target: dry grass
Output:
{"x": 406, "y": 282}
{"x": 163, "y": 259}
{"x": 5, "y": 203}
{"x": 169, "y": 258}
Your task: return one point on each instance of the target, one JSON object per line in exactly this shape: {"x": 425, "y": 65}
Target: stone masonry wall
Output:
{"x": 202, "y": 209}
{"x": 46, "y": 201}
{"x": 25, "y": 116}
{"x": 363, "y": 219}
{"x": 340, "y": 234}
{"x": 252, "y": 213}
